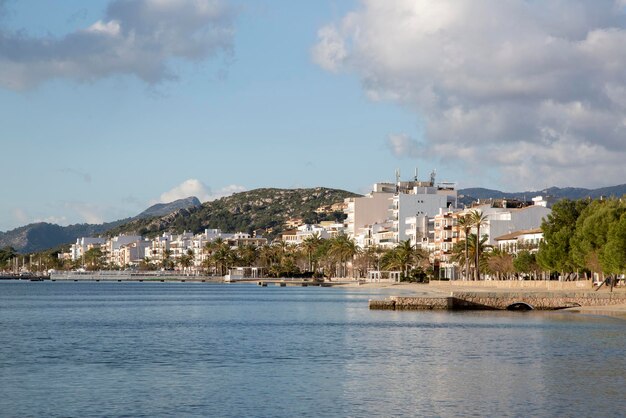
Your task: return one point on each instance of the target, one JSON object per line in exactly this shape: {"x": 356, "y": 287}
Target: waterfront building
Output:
{"x": 83, "y": 245}
{"x": 406, "y": 205}
{"x": 290, "y": 236}
{"x": 133, "y": 253}
{"x": 446, "y": 234}
{"x": 501, "y": 221}
{"x": 159, "y": 248}
{"x": 520, "y": 240}
{"x": 111, "y": 248}
{"x": 365, "y": 211}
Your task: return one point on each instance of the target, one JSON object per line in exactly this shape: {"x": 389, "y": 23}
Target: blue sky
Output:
{"x": 287, "y": 94}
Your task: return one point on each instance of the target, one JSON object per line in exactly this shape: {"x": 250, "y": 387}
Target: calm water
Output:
{"x": 183, "y": 349}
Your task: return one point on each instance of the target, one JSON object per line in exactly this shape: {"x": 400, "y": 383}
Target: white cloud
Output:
{"x": 330, "y": 51}
{"x": 227, "y": 191}
{"x": 403, "y": 146}
{"x": 533, "y": 90}
{"x": 21, "y": 215}
{"x": 194, "y": 187}
{"x": 135, "y": 37}
{"x": 88, "y": 213}
{"x": 59, "y": 220}
{"x": 187, "y": 188}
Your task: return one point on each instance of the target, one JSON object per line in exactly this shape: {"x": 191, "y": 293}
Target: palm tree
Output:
{"x": 145, "y": 264}
{"x": 247, "y": 255}
{"x": 403, "y": 257}
{"x": 93, "y": 258}
{"x": 223, "y": 256}
{"x": 376, "y": 253}
{"x": 405, "y": 254}
{"x": 186, "y": 260}
{"x": 465, "y": 224}
{"x": 501, "y": 263}
{"x": 477, "y": 219}
{"x": 266, "y": 256}
{"x": 165, "y": 263}
{"x": 343, "y": 249}
{"x": 310, "y": 245}
{"x": 477, "y": 248}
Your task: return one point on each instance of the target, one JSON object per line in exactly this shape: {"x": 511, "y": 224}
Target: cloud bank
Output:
{"x": 535, "y": 90}
{"x": 194, "y": 187}
{"x": 135, "y": 37}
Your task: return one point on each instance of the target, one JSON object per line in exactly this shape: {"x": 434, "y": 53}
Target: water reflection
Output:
{"x": 109, "y": 349}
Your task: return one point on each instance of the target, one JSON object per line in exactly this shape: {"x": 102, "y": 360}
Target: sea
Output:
{"x": 109, "y": 349}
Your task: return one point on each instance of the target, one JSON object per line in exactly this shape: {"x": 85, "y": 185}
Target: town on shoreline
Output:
{"x": 403, "y": 231}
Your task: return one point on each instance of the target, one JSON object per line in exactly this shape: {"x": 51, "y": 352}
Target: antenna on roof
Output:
{"x": 397, "y": 180}
{"x": 415, "y": 174}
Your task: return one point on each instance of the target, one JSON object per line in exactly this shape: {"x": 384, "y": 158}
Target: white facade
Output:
{"x": 504, "y": 221}
{"x": 517, "y": 240}
{"x": 414, "y": 205}
{"x": 83, "y": 245}
{"x": 367, "y": 210}
{"x": 417, "y": 230}
{"x": 133, "y": 253}
{"x": 113, "y": 245}
{"x": 390, "y": 213}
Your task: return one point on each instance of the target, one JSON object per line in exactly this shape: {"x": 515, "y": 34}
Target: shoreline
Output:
{"x": 422, "y": 290}
{"x": 442, "y": 290}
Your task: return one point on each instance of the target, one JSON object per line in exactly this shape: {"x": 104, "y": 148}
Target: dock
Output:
{"x": 130, "y": 276}
{"x": 291, "y": 282}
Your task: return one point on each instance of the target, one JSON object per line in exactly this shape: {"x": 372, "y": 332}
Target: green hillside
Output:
{"x": 266, "y": 209}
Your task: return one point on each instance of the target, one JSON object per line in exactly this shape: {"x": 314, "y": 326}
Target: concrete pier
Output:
{"x": 501, "y": 301}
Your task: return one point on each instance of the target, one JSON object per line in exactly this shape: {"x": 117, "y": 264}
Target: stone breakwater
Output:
{"x": 500, "y": 300}
{"x": 402, "y": 303}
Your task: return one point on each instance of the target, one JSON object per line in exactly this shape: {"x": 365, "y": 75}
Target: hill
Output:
{"x": 266, "y": 209}
{"x": 162, "y": 209}
{"x": 469, "y": 195}
{"x": 41, "y": 236}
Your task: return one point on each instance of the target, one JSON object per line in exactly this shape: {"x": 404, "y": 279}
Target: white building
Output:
{"x": 418, "y": 205}
{"x": 402, "y": 204}
{"x": 367, "y": 210}
{"x": 83, "y": 245}
{"x": 133, "y": 253}
{"x": 502, "y": 221}
{"x": 111, "y": 248}
{"x": 519, "y": 240}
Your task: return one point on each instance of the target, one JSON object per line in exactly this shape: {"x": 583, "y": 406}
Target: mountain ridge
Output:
{"x": 39, "y": 236}
{"x": 245, "y": 211}
{"x": 571, "y": 193}
{"x": 263, "y": 208}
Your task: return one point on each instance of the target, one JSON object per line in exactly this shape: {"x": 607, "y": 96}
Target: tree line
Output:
{"x": 580, "y": 238}
{"x": 338, "y": 256}
{"x": 583, "y": 237}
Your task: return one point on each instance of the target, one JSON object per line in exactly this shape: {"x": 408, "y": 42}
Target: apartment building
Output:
{"x": 401, "y": 203}
{"x": 520, "y": 240}
{"x": 83, "y": 245}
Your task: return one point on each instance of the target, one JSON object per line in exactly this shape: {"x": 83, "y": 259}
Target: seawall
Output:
{"x": 501, "y": 301}
{"x": 514, "y": 284}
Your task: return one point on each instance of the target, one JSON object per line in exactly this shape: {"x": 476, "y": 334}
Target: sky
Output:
{"x": 109, "y": 106}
